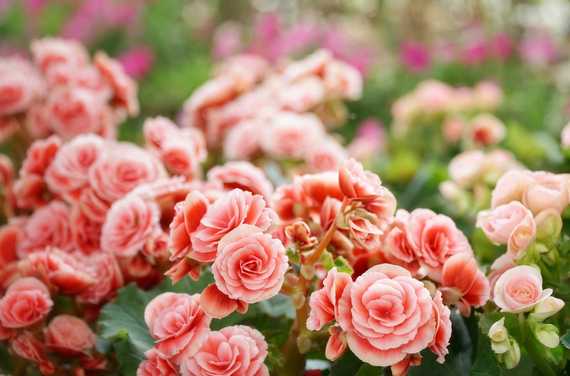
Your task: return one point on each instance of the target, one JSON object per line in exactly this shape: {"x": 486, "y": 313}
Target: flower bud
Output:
{"x": 498, "y": 332}
{"x": 547, "y": 308}
{"x": 548, "y": 225}
{"x": 547, "y": 334}
{"x": 512, "y": 357}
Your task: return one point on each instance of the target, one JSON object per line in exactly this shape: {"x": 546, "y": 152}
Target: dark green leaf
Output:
{"x": 565, "y": 340}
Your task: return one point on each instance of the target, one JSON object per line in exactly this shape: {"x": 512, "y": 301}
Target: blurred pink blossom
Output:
{"x": 137, "y": 61}
{"x": 415, "y": 56}
{"x": 538, "y": 49}
{"x": 501, "y": 46}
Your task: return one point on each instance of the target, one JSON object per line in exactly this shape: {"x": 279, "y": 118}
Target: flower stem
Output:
{"x": 316, "y": 254}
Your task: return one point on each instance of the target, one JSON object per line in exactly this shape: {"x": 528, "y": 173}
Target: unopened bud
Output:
{"x": 547, "y": 334}
{"x": 548, "y": 225}
{"x": 512, "y": 357}
{"x": 498, "y": 332}
{"x": 547, "y": 308}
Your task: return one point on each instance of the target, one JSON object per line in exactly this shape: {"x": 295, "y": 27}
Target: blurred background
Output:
{"x": 171, "y": 46}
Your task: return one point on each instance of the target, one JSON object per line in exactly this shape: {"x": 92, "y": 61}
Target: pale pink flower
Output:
{"x": 302, "y": 95}
{"x": 357, "y": 183}
{"x": 342, "y": 80}
{"x": 398, "y": 247}
{"x": 26, "y": 302}
{"x": 20, "y": 85}
{"x": 453, "y": 129}
{"x": 157, "y": 131}
{"x": 519, "y": 289}
{"x": 246, "y": 70}
{"x": 511, "y": 187}
{"x": 69, "y": 335}
{"x": 242, "y": 175}
{"x": 50, "y": 52}
{"x": 486, "y": 130}
{"x": 466, "y": 168}
{"x": 124, "y": 88}
{"x": 498, "y": 267}
{"x": 129, "y": 224}
{"x": 488, "y": 95}
{"x": 178, "y": 157}
{"x": 499, "y": 223}
{"x": 547, "y": 191}
{"x": 324, "y": 301}
{"x": 242, "y": 140}
{"x": 73, "y": 110}
{"x": 177, "y": 323}
{"x": 249, "y": 267}
{"x": 48, "y": 226}
{"x": 233, "y": 351}
{"x": 386, "y": 315}
{"x": 326, "y": 155}
{"x": 235, "y": 208}
{"x": 121, "y": 169}
{"x": 290, "y": 135}
{"x": 313, "y": 64}
{"x": 68, "y": 174}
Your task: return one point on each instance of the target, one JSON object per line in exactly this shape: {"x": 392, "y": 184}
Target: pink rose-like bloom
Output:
{"x": 29, "y": 192}
{"x": 40, "y": 155}
{"x": 242, "y": 140}
{"x": 512, "y": 224}
{"x": 228, "y": 212}
{"x": 26, "y": 302}
{"x": 466, "y": 168}
{"x": 442, "y": 330}
{"x": 245, "y": 69}
{"x": 397, "y": 245}
{"x": 303, "y": 95}
{"x": 498, "y": 267}
{"x": 28, "y": 347}
{"x": 155, "y": 365}
{"x": 178, "y": 323}
{"x": 242, "y": 175}
{"x": 324, "y": 301}
{"x": 386, "y": 315}
{"x": 50, "y": 52}
{"x": 121, "y": 169}
{"x": 488, "y": 95}
{"x": 157, "y": 131}
{"x": 73, "y": 111}
{"x": 48, "y": 226}
{"x": 128, "y": 225}
{"x": 37, "y": 121}
{"x": 124, "y": 88}
{"x": 435, "y": 238}
{"x": 86, "y": 231}
{"x": 103, "y": 267}
{"x": 326, "y": 156}
{"x": 453, "y": 128}
{"x": 68, "y": 173}
{"x": 547, "y": 191}
{"x": 20, "y": 85}
{"x": 290, "y": 135}
{"x": 487, "y": 130}
{"x": 233, "y": 351}
{"x": 69, "y": 335}
{"x": 336, "y": 344}
{"x": 519, "y": 289}
{"x": 342, "y": 80}
{"x": 178, "y": 157}
{"x": 250, "y": 266}
{"x": 186, "y": 220}
{"x": 357, "y": 183}
{"x": 510, "y": 187}
{"x": 463, "y": 283}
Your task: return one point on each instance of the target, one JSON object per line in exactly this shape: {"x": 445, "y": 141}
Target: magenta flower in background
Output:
{"x": 92, "y": 14}
{"x": 370, "y": 140}
{"x": 501, "y": 46}
{"x": 343, "y": 48}
{"x": 415, "y": 56}
{"x": 137, "y": 61}
{"x": 538, "y": 49}
{"x": 475, "y": 50}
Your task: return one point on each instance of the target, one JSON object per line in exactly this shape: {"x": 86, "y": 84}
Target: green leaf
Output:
{"x": 5, "y": 360}
{"x": 485, "y": 360}
{"x": 368, "y": 370}
{"x": 565, "y": 340}
{"x": 348, "y": 364}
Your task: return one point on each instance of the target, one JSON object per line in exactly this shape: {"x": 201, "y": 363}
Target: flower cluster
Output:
{"x": 249, "y": 109}
{"x": 62, "y": 92}
{"x": 526, "y": 218}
